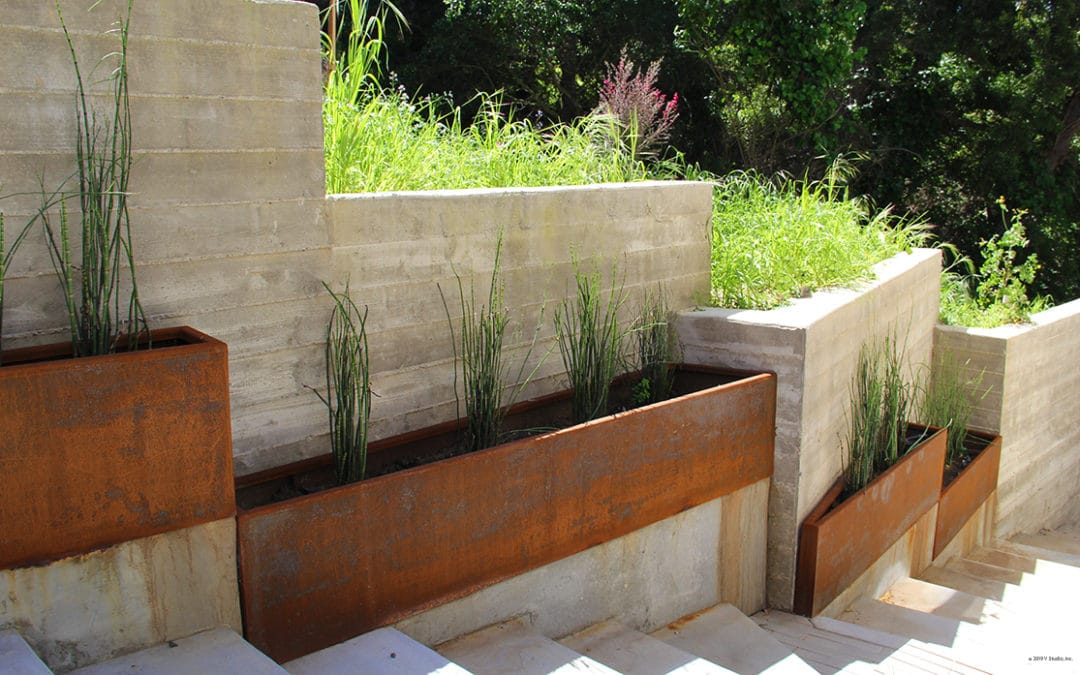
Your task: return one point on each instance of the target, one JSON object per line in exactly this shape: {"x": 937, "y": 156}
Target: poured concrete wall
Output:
{"x": 234, "y": 235}
{"x": 1030, "y": 373}
{"x": 813, "y": 345}
{"x": 88, "y": 608}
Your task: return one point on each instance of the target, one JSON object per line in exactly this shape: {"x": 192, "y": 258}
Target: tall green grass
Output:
{"x": 656, "y": 349}
{"x": 380, "y": 139}
{"x": 773, "y": 240}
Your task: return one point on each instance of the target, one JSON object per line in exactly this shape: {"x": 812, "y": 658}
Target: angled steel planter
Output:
{"x": 961, "y": 498}
{"x": 838, "y": 542}
{"x": 104, "y": 449}
{"x": 321, "y": 568}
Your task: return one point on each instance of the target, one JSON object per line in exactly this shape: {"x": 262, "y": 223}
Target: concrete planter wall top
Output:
{"x": 321, "y": 568}
{"x": 100, "y": 450}
{"x": 837, "y": 544}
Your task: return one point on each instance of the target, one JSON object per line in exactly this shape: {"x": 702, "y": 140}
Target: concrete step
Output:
{"x": 930, "y": 598}
{"x": 385, "y": 651}
{"x": 632, "y": 652}
{"x": 1056, "y": 573}
{"x": 723, "y": 635}
{"x": 826, "y": 652}
{"x": 903, "y": 654}
{"x": 1036, "y": 552}
{"x": 1045, "y": 583}
{"x": 964, "y": 637}
{"x": 18, "y": 658}
{"x": 515, "y": 648}
{"x": 1009, "y": 595}
{"x": 214, "y": 651}
{"x": 1064, "y": 540}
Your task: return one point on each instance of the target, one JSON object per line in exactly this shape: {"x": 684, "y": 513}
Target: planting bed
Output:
{"x": 323, "y": 567}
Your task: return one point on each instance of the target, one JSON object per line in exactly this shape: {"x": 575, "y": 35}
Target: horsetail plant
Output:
{"x": 655, "y": 349}
{"x": 949, "y": 402}
{"x": 348, "y": 387}
{"x": 591, "y": 343}
{"x": 880, "y": 403}
{"x": 484, "y": 372}
{"x": 92, "y": 285}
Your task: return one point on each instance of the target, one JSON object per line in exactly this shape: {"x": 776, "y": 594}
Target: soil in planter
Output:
{"x": 529, "y": 418}
{"x": 974, "y": 445}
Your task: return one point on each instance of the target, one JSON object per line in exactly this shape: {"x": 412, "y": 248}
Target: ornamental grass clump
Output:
{"x": 778, "y": 239}
{"x": 881, "y": 399}
{"x": 656, "y": 349}
{"x": 949, "y": 402}
{"x": 348, "y": 387}
{"x": 93, "y": 283}
{"x": 483, "y": 368}
{"x": 591, "y": 343}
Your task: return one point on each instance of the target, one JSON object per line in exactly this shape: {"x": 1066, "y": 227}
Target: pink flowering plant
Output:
{"x": 645, "y": 112}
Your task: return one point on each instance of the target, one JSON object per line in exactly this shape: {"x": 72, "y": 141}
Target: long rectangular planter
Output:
{"x": 837, "y": 544}
{"x": 104, "y": 449}
{"x": 324, "y": 567}
{"x": 961, "y": 498}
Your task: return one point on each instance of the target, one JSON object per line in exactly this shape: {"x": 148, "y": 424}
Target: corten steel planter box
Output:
{"x": 838, "y": 543}
{"x": 324, "y": 567}
{"x": 961, "y": 498}
{"x": 104, "y": 449}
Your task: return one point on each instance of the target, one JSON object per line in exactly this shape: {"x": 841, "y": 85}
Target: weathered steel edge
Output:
{"x": 106, "y": 495}
{"x": 840, "y": 544}
{"x": 968, "y": 491}
{"x": 322, "y": 568}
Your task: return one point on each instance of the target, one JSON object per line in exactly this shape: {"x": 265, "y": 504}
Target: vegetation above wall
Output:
{"x": 954, "y": 105}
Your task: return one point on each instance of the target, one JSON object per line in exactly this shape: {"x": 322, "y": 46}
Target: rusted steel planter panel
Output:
{"x": 321, "y": 568}
{"x": 104, "y": 449}
{"x": 963, "y": 497}
{"x": 836, "y": 546}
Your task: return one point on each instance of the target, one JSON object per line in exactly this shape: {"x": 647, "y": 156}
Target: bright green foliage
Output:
{"x": 1000, "y": 293}
{"x": 381, "y": 140}
{"x": 774, "y": 240}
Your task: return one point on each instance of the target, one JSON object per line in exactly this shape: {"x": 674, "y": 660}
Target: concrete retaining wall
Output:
{"x": 1031, "y": 374}
{"x": 813, "y": 345}
{"x": 81, "y": 610}
{"x": 234, "y": 235}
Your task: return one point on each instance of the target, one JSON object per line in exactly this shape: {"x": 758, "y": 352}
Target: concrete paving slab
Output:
{"x": 18, "y": 658}
{"x": 214, "y": 651}
{"x": 385, "y": 651}
{"x": 514, "y": 648}
{"x": 725, "y": 636}
{"x": 632, "y": 652}
{"x": 905, "y": 655}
